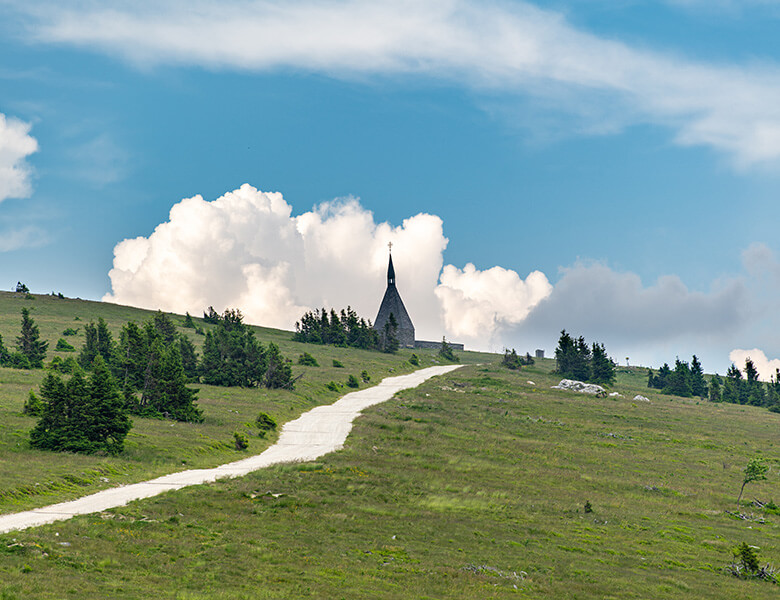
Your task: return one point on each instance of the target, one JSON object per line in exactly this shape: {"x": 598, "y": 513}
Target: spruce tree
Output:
{"x": 390, "y": 335}
{"x": 83, "y": 415}
{"x": 756, "y": 395}
{"x": 279, "y": 372}
{"x": 698, "y": 384}
{"x": 98, "y": 342}
{"x": 714, "y": 388}
{"x": 602, "y": 368}
{"x": 28, "y": 343}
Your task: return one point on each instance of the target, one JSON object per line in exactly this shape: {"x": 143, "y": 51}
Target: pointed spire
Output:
{"x": 390, "y": 272}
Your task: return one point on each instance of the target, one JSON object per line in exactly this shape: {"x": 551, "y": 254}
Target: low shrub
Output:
{"x": 64, "y": 346}
{"x": 337, "y": 364}
{"x": 352, "y": 382}
{"x": 265, "y": 423}
{"x": 307, "y": 360}
{"x": 240, "y": 441}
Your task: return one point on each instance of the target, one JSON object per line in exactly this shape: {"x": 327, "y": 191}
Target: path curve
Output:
{"x": 319, "y": 431}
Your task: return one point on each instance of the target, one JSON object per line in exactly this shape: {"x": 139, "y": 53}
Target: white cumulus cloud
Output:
{"x": 15, "y": 146}
{"x": 511, "y": 49}
{"x": 480, "y": 304}
{"x": 247, "y": 250}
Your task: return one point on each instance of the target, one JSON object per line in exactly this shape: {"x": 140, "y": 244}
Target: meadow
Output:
{"x": 484, "y": 483}
{"x": 155, "y": 446}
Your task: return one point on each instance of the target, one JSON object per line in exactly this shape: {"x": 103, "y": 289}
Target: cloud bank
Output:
{"x": 15, "y": 146}
{"x": 507, "y": 49}
{"x": 247, "y": 250}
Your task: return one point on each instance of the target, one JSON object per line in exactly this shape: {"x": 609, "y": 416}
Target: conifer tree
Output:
{"x": 390, "y": 335}
{"x": 279, "y": 372}
{"x": 98, "y": 342}
{"x": 83, "y": 415}
{"x": 29, "y": 343}
{"x": 698, "y": 384}
{"x": 715, "y": 388}
{"x": 602, "y": 367}
{"x": 679, "y": 381}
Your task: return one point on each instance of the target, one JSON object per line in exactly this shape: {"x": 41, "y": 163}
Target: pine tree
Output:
{"x": 98, "y": 342}
{"x": 565, "y": 355}
{"x": 189, "y": 358}
{"x": 390, "y": 335}
{"x": 679, "y": 381}
{"x": 698, "y": 384}
{"x": 28, "y": 343}
{"x": 733, "y": 386}
{"x": 82, "y": 415}
{"x": 715, "y": 388}
{"x": 232, "y": 356}
{"x": 279, "y": 372}
{"x": 756, "y": 395}
{"x": 602, "y": 368}
{"x": 188, "y": 322}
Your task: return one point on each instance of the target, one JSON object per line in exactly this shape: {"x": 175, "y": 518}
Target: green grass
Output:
{"x": 471, "y": 486}
{"x": 156, "y": 447}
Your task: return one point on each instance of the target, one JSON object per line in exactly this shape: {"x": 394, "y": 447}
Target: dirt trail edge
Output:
{"x": 321, "y": 430}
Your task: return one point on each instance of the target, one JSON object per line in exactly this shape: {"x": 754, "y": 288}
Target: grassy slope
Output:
{"x": 479, "y": 468}
{"x": 154, "y": 447}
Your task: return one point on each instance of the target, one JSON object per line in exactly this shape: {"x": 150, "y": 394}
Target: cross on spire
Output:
{"x": 390, "y": 246}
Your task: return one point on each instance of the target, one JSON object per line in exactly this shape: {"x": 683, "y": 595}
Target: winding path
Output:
{"x": 317, "y": 432}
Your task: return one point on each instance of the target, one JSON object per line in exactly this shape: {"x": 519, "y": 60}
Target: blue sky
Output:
{"x": 628, "y": 151}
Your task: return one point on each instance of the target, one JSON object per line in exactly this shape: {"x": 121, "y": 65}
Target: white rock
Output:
{"x": 615, "y": 395}
{"x": 579, "y": 386}
{"x": 640, "y": 398}
{"x": 529, "y": 382}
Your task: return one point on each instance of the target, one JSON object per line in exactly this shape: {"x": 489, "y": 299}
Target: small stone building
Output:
{"x": 393, "y": 305}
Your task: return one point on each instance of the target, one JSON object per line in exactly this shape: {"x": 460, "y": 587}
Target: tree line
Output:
{"x": 145, "y": 372}
{"x": 345, "y": 328}
{"x": 575, "y": 359}
{"x": 684, "y": 380}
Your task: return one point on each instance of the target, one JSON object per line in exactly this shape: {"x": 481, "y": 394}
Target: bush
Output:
{"x": 17, "y": 360}
{"x": 307, "y": 360}
{"x": 332, "y": 386}
{"x": 64, "y": 346}
{"x": 337, "y": 364}
{"x": 70, "y": 331}
{"x": 414, "y": 360}
{"x": 265, "y": 423}
{"x": 352, "y": 382}
{"x": 446, "y": 352}
{"x": 240, "y": 441}
{"x": 511, "y": 360}
{"x": 365, "y": 376}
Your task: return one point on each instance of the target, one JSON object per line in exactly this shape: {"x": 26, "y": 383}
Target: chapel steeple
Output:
{"x": 390, "y": 269}
{"x": 393, "y": 306}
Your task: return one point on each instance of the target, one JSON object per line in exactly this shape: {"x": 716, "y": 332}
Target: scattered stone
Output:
{"x": 529, "y": 382}
{"x": 580, "y": 387}
{"x": 616, "y": 395}
{"x": 616, "y": 436}
{"x": 640, "y": 398}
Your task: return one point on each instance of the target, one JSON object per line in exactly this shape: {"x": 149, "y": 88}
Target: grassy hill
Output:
{"x": 155, "y": 447}
{"x": 473, "y": 485}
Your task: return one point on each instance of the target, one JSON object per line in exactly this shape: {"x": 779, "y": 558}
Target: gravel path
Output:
{"x": 321, "y": 430}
